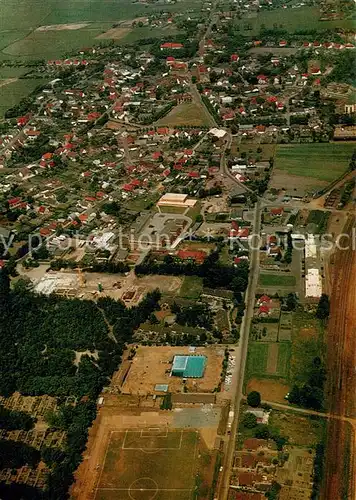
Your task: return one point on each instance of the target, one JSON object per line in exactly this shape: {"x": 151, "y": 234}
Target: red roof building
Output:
{"x": 171, "y": 45}
{"x": 198, "y": 256}
{"x": 234, "y": 58}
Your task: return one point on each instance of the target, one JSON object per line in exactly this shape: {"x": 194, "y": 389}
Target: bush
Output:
{"x": 249, "y": 420}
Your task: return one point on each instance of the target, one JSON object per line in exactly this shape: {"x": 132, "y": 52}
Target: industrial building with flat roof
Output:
{"x": 188, "y": 366}
{"x": 176, "y": 200}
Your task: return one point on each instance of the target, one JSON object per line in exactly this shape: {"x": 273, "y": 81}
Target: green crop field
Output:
{"x": 277, "y": 280}
{"x": 324, "y": 162}
{"x": 51, "y": 44}
{"x": 283, "y": 362}
{"x": 257, "y": 359}
{"x": 290, "y": 20}
{"x": 12, "y": 93}
{"x": 139, "y": 464}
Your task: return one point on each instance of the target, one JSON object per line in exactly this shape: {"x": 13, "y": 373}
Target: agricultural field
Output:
{"x": 13, "y": 90}
{"x": 185, "y": 114}
{"x": 141, "y": 463}
{"x": 277, "y": 280}
{"x": 270, "y": 359}
{"x": 52, "y": 43}
{"x": 310, "y": 166}
{"x": 290, "y": 20}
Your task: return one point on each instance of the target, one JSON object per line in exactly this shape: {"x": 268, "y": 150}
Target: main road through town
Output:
{"x": 241, "y": 355}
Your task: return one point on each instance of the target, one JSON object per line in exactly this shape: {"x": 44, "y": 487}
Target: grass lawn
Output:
{"x": 324, "y": 162}
{"x": 277, "y": 280}
{"x": 142, "y": 202}
{"x": 256, "y": 359}
{"x": 12, "y": 93}
{"x": 307, "y": 344}
{"x": 194, "y": 211}
{"x": 290, "y": 20}
{"x": 186, "y": 113}
{"x": 191, "y": 288}
{"x": 268, "y": 150}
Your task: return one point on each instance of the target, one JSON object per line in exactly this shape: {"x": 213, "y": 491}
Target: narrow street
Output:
{"x": 241, "y": 356}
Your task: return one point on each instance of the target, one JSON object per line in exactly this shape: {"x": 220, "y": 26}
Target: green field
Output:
{"x": 51, "y": 44}
{"x": 191, "y": 288}
{"x": 277, "y": 280}
{"x": 256, "y": 359}
{"x": 12, "y": 93}
{"x": 290, "y": 20}
{"x": 283, "y": 362}
{"x": 139, "y": 464}
{"x": 324, "y": 162}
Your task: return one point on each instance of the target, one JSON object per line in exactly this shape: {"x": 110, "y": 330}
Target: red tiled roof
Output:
{"x": 191, "y": 254}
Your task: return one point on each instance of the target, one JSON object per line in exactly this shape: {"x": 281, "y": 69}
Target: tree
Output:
{"x": 254, "y": 398}
{"x": 262, "y": 432}
{"x": 4, "y": 284}
{"x": 291, "y": 301}
{"x": 323, "y": 309}
{"x": 249, "y": 420}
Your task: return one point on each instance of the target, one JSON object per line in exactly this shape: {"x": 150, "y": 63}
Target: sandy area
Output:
{"x": 270, "y": 390}
{"x": 152, "y": 365}
{"x": 114, "y": 33}
{"x": 62, "y": 27}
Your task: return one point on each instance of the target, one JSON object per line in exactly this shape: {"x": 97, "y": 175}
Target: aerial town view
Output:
{"x": 178, "y": 250}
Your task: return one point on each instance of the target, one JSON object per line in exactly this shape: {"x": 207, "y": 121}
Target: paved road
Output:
{"x": 241, "y": 355}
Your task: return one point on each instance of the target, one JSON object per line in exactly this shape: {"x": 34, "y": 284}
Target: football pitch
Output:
{"x": 149, "y": 464}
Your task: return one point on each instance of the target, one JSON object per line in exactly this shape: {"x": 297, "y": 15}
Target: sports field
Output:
{"x": 151, "y": 463}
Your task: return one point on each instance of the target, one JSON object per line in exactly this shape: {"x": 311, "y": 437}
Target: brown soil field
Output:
{"x": 270, "y": 390}
{"x": 272, "y": 358}
{"x": 151, "y": 364}
{"x": 282, "y": 180}
{"x": 114, "y": 34}
{"x": 307, "y": 333}
{"x": 339, "y": 480}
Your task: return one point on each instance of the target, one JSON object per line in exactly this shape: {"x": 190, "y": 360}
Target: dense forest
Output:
{"x": 39, "y": 337}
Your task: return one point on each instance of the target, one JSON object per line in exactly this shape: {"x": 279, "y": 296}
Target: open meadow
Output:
{"x": 185, "y": 114}
{"x": 310, "y": 167}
